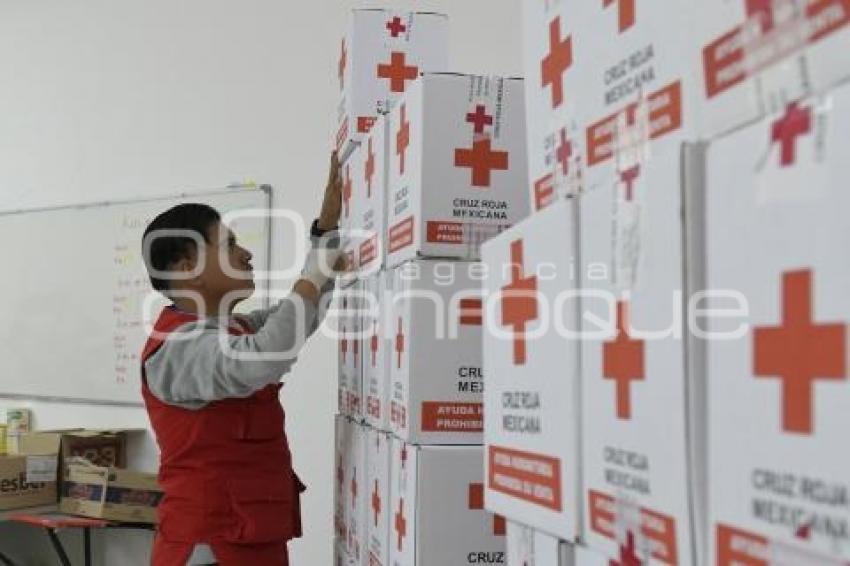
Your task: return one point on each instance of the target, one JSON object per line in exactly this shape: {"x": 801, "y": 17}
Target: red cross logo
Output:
{"x": 476, "y": 503}
{"x": 355, "y": 350}
{"x": 627, "y": 553}
{"x": 519, "y": 301}
{"x": 556, "y": 63}
{"x": 370, "y": 169}
{"x": 343, "y": 61}
{"x": 470, "y": 312}
{"x": 796, "y": 122}
{"x": 397, "y": 71}
{"x": 482, "y": 160}
{"x": 340, "y": 475}
{"x": 622, "y": 361}
{"x": 354, "y": 487}
{"x": 626, "y": 9}
{"x": 376, "y": 502}
{"x": 373, "y": 344}
{"x": 799, "y": 352}
{"x": 479, "y": 119}
{"x": 399, "y": 347}
{"x": 402, "y": 138}
{"x": 763, "y": 10}
{"x": 343, "y": 345}
{"x": 403, "y": 456}
{"x": 628, "y": 178}
{"x": 347, "y": 188}
{"x": 564, "y": 152}
{"x": 400, "y": 523}
{"x": 396, "y": 26}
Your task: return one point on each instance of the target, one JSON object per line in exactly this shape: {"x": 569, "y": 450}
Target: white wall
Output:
{"x": 103, "y": 99}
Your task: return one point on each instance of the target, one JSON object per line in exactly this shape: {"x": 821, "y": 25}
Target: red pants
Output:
{"x": 167, "y": 553}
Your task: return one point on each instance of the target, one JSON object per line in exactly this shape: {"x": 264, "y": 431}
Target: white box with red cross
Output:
{"x": 633, "y": 380}
{"x": 457, "y": 165}
{"x": 437, "y": 381}
{"x": 437, "y": 511}
{"x": 531, "y": 432}
{"x": 552, "y": 89}
{"x": 355, "y": 495}
{"x": 342, "y": 445}
{"x": 775, "y": 233}
{"x": 756, "y": 55}
{"x": 529, "y": 547}
{"x": 364, "y": 196}
{"x": 382, "y": 52}
{"x": 378, "y": 349}
{"x": 378, "y": 446}
{"x": 350, "y": 303}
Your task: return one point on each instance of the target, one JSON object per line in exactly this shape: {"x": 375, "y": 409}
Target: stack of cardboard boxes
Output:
{"x": 665, "y": 339}
{"x": 84, "y": 470}
{"x": 440, "y": 170}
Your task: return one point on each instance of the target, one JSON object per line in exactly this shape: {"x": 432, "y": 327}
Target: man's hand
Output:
{"x": 332, "y": 202}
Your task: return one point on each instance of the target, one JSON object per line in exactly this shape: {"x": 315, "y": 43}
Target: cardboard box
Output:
{"x": 29, "y": 478}
{"x": 437, "y": 512}
{"x": 776, "y": 369}
{"x": 350, "y": 390}
{"x": 553, "y": 57}
{"x": 356, "y": 510}
{"x": 105, "y": 492}
{"x": 437, "y": 382}
{"x": 18, "y": 423}
{"x": 382, "y": 52}
{"x": 528, "y": 547}
{"x": 757, "y": 56}
{"x": 457, "y": 165}
{"x": 377, "y": 490}
{"x": 364, "y": 200}
{"x": 532, "y": 397}
{"x": 378, "y": 343}
{"x": 634, "y": 382}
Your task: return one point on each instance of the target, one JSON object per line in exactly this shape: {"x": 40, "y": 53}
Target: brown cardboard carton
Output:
{"x": 28, "y": 479}
{"x": 110, "y": 493}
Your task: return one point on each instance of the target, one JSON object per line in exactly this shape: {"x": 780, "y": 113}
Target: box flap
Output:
{"x": 39, "y": 444}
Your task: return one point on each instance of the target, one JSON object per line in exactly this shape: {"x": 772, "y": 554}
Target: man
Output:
{"x": 210, "y": 381}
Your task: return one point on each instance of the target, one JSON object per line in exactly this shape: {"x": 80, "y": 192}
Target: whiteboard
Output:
{"x": 77, "y": 301}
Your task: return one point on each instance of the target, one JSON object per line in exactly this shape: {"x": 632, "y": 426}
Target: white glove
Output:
{"x": 320, "y": 261}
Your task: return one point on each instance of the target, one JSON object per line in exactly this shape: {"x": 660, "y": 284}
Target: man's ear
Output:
{"x": 185, "y": 268}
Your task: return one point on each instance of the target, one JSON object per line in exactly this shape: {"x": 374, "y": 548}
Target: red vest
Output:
{"x": 225, "y": 469}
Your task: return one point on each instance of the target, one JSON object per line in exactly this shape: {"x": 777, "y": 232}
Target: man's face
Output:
{"x": 228, "y": 266}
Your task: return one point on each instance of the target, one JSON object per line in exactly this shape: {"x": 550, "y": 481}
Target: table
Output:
{"x": 52, "y": 522}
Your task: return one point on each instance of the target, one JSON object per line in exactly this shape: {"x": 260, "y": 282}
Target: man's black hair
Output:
{"x": 164, "y": 250}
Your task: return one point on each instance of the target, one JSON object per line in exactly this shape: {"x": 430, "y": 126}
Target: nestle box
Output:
{"x": 356, "y": 495}
{"x": 634, "y": 387}
{"x": 382, "y": 52}
{"x": 377, "y": 497}
{"x": 29, "y": 478}
{"x": 777, "y": 373}
{"x": 457, "y": 165}
{"x": 531, "y": 355}
{"x": 437, "y": 381}
{"x": 378, "y": 348}
{"x": 528, "y": 547}
{"x": 350, "y": 392}
{"x": 553, "y": 57}
{"x": 437, "y": 508}
{"x": 105, "y": 492}
{"x": 364, "y": 199}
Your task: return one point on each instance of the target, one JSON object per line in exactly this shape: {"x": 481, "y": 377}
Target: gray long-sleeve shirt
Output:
{"x": 201, "y": 362}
